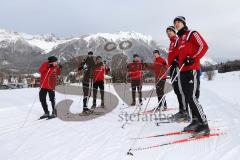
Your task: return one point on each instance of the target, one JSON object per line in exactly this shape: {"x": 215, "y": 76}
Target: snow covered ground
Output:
{"x": 103, "y": 138}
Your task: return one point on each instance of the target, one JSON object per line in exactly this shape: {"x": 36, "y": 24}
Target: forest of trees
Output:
{"x": 229, "y": 66}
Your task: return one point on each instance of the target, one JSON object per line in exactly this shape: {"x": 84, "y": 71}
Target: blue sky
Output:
{"x": 218, "y": 21}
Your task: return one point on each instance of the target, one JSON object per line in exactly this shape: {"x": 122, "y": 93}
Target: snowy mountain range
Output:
{"x": 45, "y": 42}
{"x": 48, "y": 42}
{"x": 24, "y": 52}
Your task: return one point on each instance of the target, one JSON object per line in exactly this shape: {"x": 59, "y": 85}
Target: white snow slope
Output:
{"x": 104, "y": 139}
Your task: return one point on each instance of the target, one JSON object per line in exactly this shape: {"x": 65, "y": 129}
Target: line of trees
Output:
{"x": 229, "y": 66}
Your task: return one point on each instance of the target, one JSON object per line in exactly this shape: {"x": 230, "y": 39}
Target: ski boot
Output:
{"x": 157, "y": 109}
{"x": 191, "y": 127}
{"x": 164, "y": 108}
{"x": 201, "y": 130}
{"x": 181, "y": 117}
{"x": 177, "y": 114}
{"x": 133, "y": 103}
{"x": 93, "y": 106}
{"x": 87, "y": 111}
{"x": 102, "y": 105}
{"x": 46, "y": 115}
{"x": 53, "y": 115}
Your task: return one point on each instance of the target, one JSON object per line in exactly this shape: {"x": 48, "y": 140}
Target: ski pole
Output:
{"x": 171, "y": 82}
{"x": 149, "y": 98}
{"x": 156, "y": 83}
{"x": 151, "y": 92}
{"x": 142, "y": 129}
{"x": 159, "y": 80}
{"x": 89, "y": 90}
{"x": 30, "y": 110}
{"x": 124, "y": 92}
{"x": 164, "y": 100}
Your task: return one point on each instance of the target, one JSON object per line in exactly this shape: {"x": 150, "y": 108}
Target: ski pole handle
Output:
{"x": 151, "y": 91}
{"x": 160, "y": 78}
{"x": 177, "y": 73}
{"x": 45, "y": 78}
{"x": 171, "y": 82}
{"x": 164, "y": 73}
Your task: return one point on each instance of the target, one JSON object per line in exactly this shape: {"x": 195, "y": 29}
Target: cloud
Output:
{"x": 216, "y": 20}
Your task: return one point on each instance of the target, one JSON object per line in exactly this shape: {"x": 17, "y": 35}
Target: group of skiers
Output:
{"x": 186, "y": 49}
{"x": 93, "y": 78}
{"x": 135, "y": 72}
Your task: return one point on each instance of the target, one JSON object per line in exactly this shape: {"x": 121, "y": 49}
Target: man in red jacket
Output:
{"x": 159, "y": 68}
{"x": 135, "y": 73}
{"x": 107, "y": 68}
{"x": 182, "y": 115}
{"x": 49, "y": 71}
{"x": 191, "y": 48}
{"x": 98, "y": 81}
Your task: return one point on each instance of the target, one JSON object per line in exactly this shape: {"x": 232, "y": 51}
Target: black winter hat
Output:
{"x": 98, "y": 57}
{"x": 156, "y": 51}
{"x": 52, "y": 59}
{"x": 171, "y": 28}
{"x": 181, "y": 19}
{"x": 90, "y": 53}
{"x": 135, "y": 55}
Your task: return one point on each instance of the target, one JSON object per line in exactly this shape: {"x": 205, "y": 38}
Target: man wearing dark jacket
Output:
{"x": 191, "y": 48}
{"x": 49, "y": 71}
{"x": 87, "y": 66}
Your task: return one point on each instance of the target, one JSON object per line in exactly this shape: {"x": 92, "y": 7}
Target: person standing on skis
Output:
{"x": 135, "y": 73}
{"x": 98, "y": 81}
{"x": 191, "y": 48}
{"x": 87, "y": 66}
{"x": 182, "y": 115}
{"x": 49, "y": 71}
{"x": 107, "y": 68}
{"x": 159, "y": 68}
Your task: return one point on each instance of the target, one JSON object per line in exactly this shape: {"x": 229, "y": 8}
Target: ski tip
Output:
{"x": 129, "y": 153}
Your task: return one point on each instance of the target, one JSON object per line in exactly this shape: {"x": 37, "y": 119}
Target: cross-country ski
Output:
{"x": 119, "y": 80}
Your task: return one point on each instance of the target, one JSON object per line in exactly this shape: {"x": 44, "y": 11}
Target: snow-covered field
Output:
{"x": 104, "y": 139}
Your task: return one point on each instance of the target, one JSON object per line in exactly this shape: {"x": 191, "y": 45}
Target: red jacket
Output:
{"x": 160, "y": 67}
{"x": 135, "y": 70}
{"x": 98, "y": 73}
{"x": 172, "y": 52}
{"x": 191, "y": 44}
{"x": 107, "y": 69}
{"x": 48, "y": 79}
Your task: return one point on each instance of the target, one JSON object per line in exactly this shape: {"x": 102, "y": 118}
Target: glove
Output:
{"x": 188, "y": 61}
{"x": 60, "y": 66}
{"x": 50, "y": 65}
{"x": 175, "y": 63}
